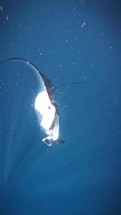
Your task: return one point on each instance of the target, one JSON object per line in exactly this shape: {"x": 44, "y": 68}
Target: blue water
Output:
{"x": 69, "y": 41}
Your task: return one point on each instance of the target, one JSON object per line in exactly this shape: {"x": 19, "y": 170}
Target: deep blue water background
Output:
{"x": 70, "y": 41}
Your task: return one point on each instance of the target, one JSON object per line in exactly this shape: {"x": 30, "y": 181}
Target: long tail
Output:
{"x": 72, "y": 83}
{"x": 22, "y": 60}
{"x": 28, "y": 63}
{"x": 38, "y": 73}
{"x": 33, "y": 66}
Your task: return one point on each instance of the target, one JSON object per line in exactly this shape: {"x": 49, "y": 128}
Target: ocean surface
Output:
{"x": 76, "y": 41}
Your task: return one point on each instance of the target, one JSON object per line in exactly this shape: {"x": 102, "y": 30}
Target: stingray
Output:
{"x": 45, "y": 105}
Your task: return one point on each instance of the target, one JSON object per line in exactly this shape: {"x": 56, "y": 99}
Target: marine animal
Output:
{"x": 45, "y": 105}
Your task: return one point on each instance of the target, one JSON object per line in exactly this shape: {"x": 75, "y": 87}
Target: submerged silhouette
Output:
{"x": 45, "y": 105}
